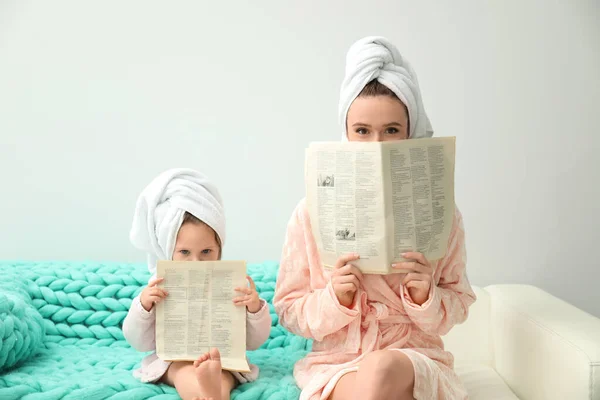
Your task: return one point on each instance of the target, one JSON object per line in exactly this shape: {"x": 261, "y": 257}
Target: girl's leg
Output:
{"x": 182, "y": 376}
{"x": 227, "y": 385}
{"x": 201, "y": 379}
{"x": 384, "y": 374}
{"x": 228, "y": 382}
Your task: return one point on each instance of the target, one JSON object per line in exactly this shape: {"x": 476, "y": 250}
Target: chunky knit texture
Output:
{"x": 84, "y": 354}
{"x": 21, "y": 325}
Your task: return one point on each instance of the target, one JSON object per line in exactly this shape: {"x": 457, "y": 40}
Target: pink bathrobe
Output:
{"x": 383, "y": 316}
{"x": 139, "y": 328}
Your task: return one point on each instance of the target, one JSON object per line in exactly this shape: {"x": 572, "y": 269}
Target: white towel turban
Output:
{"x": 161, "y": 206}
{"x": 376, "y": 58}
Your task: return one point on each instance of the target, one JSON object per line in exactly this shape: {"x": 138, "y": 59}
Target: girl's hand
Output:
{"x": 419, "y": 280}
{"x": 152, "y": 294}
{"x": 249, "y": 298}
{"x": 346, "y": 279}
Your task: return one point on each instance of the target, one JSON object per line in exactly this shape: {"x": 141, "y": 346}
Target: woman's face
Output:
{"x": 377, "y": 119}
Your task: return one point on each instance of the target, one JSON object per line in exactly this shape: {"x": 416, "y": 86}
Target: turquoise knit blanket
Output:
{"x": 84, "y": 354}
{"x": 22, "y": 328}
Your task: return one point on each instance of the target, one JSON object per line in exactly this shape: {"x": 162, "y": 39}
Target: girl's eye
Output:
{"x": 391, "y": 130}
{"x": 206, "y": 251}
{"x": 361, "y": 131}
{"x": 184, "y": 252}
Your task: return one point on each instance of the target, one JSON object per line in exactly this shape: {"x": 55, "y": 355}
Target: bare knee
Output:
{"x": 344, "y": 389}
{"x": 387, "y": 367}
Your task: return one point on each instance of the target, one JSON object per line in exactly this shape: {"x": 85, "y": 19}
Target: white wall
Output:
{"x": 96, "y": 99}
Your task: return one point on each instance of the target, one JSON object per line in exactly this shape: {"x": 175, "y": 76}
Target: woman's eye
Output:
{"x": 361, "y": 131}
{"x": 391, "y": 130}
{"x": 206, "y": 251}
{"x": 184, "y": 252}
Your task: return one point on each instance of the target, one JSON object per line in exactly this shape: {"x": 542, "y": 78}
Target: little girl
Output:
{"x": 179, "y": 216}
{"x": 375, "y": 337}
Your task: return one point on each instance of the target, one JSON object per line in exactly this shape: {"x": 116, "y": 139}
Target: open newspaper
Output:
{"x": 199, "y": 314}
{"x": 381, "y": 199}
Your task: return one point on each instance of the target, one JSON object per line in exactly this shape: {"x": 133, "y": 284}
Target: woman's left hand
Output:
{"x": 419, "y": 280}
{"x": 249, "y": 297}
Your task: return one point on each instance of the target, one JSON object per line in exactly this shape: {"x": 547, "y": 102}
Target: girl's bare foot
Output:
{"x": 208, "y": 373}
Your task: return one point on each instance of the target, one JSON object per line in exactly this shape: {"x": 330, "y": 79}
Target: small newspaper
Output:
{"x": 381, "y": 199}
{"x": 199, "y": 314}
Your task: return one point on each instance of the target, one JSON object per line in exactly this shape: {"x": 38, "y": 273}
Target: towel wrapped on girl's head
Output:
{"x": 162, "y": 205}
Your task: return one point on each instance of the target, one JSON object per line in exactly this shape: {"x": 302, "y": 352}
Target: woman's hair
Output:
{"x": 189, "y": 218}
{"x": 376, "y": 88}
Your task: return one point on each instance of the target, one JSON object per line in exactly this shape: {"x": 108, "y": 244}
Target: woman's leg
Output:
{"x": 344, "y": 388}
{"x": 201, "y": 379}
{"x": 384, "y": 374}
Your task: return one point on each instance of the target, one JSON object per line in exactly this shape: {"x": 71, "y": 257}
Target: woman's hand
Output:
{"x": 152, "y": 294}
{"x": 419, "y": 280}
{"x": 249, "y": 297}
{"x": 346, "y": 279}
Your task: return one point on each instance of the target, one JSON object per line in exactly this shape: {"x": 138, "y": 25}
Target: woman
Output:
{"x": 375, "y": 337}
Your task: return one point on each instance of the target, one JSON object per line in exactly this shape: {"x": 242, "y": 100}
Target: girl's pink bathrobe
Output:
{"x": 139, "y": 326}
{"x": 383, "y": 316}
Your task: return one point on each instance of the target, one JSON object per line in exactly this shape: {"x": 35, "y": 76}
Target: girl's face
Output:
{"x": 377, "y": 119}
{"x": 196, "y": 242}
